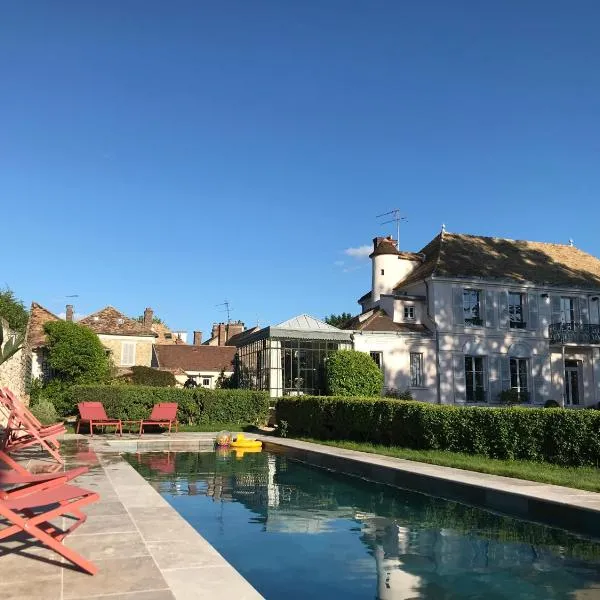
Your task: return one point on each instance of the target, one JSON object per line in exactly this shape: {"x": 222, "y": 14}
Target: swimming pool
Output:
{"x": 296, "y": 531}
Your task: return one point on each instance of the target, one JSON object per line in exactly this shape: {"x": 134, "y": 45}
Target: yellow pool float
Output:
{"x": 240, "y": 441}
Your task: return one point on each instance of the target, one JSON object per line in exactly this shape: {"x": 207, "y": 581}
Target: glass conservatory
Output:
{"x": 289, "y": 358}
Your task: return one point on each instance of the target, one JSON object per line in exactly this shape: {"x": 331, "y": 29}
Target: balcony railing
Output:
{"x": 574, "y": 333}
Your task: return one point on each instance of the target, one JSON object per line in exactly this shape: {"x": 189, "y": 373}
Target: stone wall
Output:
{"x": 12, "y": 375}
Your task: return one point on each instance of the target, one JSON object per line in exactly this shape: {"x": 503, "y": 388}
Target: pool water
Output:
{"x": 295, "y": 532}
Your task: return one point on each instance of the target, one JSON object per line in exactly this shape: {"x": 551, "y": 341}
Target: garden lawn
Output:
{"x": 583, "y": 478}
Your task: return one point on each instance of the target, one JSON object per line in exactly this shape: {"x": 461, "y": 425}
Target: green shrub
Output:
{"x": 512, "y": 396}
{"x": 397, "y": 394}
{"x": 196, "y": 406}
{"x": 551, "y": 404}
{"x": 352, "y": 373}
{"x": 149, "y": 376}
{"x": 45, "y": 412}
{"x": 560, "y": 436}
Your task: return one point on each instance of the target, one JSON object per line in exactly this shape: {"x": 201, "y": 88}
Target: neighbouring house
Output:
{"x": 165, "y": 336}
{"x": 288, "y": 358}
{"x": 128, "y": 341}
{"x": 474, "y": 316}
{"x": 35, "y": 341}
{"x": 200, "y": 363}
{"x": 222, "y": 333}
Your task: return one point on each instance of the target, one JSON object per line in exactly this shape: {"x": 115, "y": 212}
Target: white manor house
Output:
{"x": 461, "y": 321}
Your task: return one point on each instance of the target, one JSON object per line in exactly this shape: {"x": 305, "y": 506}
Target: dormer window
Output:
{"x": 409, "y": 313}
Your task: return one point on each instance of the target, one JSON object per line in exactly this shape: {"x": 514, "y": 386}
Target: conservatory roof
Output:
{"x": 300, "y": 327}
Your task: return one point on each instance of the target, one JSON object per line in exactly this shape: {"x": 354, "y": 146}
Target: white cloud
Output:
{"x": 358, "y": 253}
{"x": 339, "y": 263}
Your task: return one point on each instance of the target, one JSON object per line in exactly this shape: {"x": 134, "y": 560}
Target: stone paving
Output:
{"x": 143, "y": 548}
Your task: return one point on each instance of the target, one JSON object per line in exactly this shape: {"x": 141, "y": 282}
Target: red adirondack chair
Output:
{"x": 94, "y": 414}
{"x": 23, "y": 429}
{"x": 164, "y": 414}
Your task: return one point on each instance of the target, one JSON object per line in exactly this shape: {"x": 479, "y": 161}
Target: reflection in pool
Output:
{"x": 296, "y": 531}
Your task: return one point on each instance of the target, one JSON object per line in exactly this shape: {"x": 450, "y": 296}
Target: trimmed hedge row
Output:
{"x": 196, "y": 406}
{"x": 556, "y": 435}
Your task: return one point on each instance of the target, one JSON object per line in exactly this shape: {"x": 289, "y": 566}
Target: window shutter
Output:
{"x": 504, "y": 373}
{"x": 503, "y": 309}
{"x": 532, "y": 309}
{"x": 584, "y": 310}
{"x": 457, "y": 304}
{"x": 495, "y": 385}
{"x": 541, "y": 376}
{"x": 460, "y": 392}
{"x": 490, "y": 308}
{"x": 555, "y": 309}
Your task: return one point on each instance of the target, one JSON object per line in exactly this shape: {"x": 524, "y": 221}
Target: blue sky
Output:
{"x": 177, "y": 154}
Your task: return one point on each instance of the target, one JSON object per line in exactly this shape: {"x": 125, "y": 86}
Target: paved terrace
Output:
{"x": 143, "y": 549}
{"x": 146, "y": 551}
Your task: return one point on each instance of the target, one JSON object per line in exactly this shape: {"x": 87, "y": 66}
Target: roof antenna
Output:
{"x": 395, "y": 219}
{"x": 227, "y": 308}
{"x": 571, "y": 242}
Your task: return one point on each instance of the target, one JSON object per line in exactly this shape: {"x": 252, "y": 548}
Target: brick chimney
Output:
{"x": 148, "y": 315}
{"x": 69, "y": 313}
{"x": 197, "y": 338}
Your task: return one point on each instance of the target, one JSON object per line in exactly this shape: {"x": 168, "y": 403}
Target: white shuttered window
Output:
{"x": 127, "y": 354}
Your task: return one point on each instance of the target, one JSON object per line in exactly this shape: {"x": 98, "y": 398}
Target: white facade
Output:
{"x": 488, "y": 335}
{"x": 395, "y": 352}
{"x": 205, "y": 379}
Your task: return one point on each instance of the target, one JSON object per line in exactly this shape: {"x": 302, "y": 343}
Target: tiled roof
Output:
{"x": 38, "y": 317}
{"x": 195, "y": 358}
{"x": 380, "y": 321}
{"x": 384, "y": 246}
{"x": 110, "y": 321}
{"x": 469, "y": 256}
{"x": 164, "y": 335}
{"x": 234, "y": 340}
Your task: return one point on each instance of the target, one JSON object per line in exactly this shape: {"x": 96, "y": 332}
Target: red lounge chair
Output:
{"x": 28, "y": 483}
{"x": 23, "y": 429}
{"x": 32, "y": 513}
{"x": 94, "y": 414}
{"x": 164, "y": 414}
{"x": 20, "y": 406}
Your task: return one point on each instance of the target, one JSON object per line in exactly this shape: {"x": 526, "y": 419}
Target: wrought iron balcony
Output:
{"x": 574, "y": 333}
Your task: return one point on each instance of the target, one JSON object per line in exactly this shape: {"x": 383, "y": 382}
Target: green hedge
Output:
{"x": 559, "y": 436}
{"x": 196, "y": 406}
{"x": 148, "y": 376}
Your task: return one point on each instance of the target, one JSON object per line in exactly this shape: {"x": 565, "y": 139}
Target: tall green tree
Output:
{"x": 76, "y": 354}
{"x": 13, "y": 311}
{"x": 338, "y": 320}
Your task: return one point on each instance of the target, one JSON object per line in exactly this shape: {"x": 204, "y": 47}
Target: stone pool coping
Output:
{"x": 575, "y": 510}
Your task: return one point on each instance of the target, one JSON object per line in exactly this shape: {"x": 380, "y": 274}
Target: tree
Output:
{"x": 353, "y": 373}
{"x": 156, "y": 320}
{"x": 76, "y": 354}
{"x": 338, "y": 320}
{"x": 13, "y": 311}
